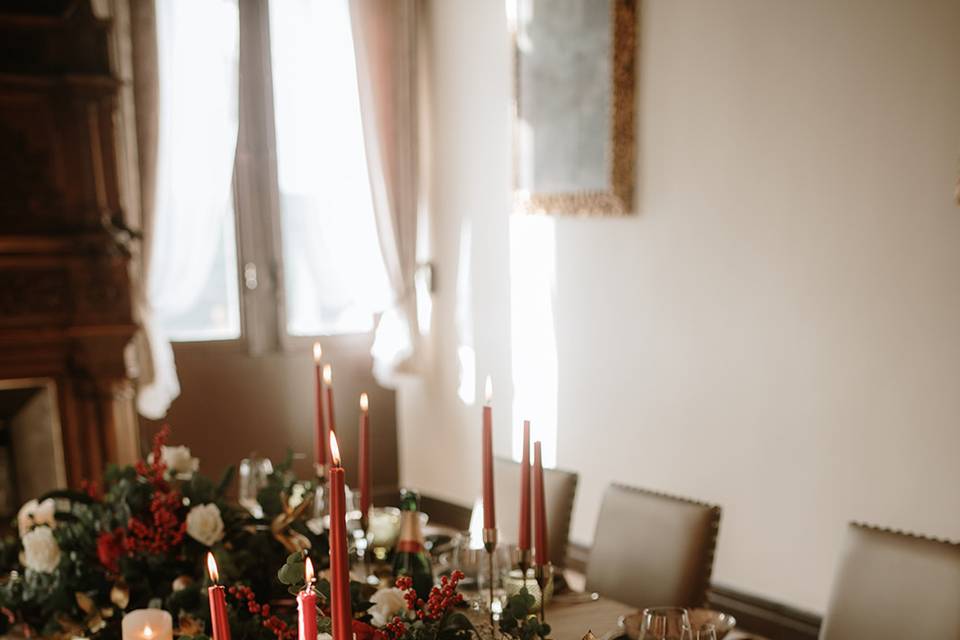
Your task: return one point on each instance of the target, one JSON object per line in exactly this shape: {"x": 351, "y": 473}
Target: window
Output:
{"x": 313, "y": 237}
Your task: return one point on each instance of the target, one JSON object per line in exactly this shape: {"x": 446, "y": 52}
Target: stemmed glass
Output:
{"x": 705, "y": 632}
{"x": 665, "y": 623}
{"x": 254, "y": 474}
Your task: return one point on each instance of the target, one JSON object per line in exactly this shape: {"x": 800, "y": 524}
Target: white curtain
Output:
{"x": 384, "y": 35}
{"x": 197, "y": 49}
{"x": 334, "y": 275}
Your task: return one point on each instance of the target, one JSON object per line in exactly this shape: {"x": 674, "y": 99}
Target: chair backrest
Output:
{"x": 559, "y": 488}
{"x": 652, "y": 549}
{"x": 891, "y": 585}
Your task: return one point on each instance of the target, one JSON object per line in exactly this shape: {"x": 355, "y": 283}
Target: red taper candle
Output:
{"x": 340, "y": 613}
{"x": 542, "y": 552}
{"x": 328, "y": 383}
{"x": 489, "y": 508}
{"x": 365, "y": 496}
{"x": 218, "y": 602}
{"x": 307, "y": 605}
{"x": 523, "y": 539}
{"x": 319, "y": 427}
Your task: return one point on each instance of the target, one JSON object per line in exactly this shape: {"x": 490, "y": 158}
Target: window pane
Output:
{"x": 192, "y": 279}
{"x": 334, "y": 278}
{"x": 215, "y": 313}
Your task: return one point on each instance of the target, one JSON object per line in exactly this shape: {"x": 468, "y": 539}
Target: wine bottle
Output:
{"x": 411, "y": 557}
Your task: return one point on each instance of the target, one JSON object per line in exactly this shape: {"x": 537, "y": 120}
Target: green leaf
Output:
{"x": 292, "y": 573}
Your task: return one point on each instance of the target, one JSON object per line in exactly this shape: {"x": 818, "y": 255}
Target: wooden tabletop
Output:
{"x": 570, "y": 620}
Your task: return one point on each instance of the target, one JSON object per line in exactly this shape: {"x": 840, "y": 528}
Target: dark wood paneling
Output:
{"x": 65, "y": 301}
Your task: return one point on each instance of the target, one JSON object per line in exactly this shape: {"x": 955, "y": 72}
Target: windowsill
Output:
{"x": 346, "y": 342}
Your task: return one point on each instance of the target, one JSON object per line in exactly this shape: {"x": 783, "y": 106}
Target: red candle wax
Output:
{"x": 365, "y": 496}
{"x": 340, "y": 613}
{"x": 489, "y": 508}
{"x": 319, "y": 428}
{"x": 218, "y": 603}
{"x": 307, "y": 606}
{"x": 523, "y": 539}
{"x": 542, "y": 552}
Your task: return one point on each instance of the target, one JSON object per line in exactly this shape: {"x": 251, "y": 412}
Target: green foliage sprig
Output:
{"x": 519, "y": 620}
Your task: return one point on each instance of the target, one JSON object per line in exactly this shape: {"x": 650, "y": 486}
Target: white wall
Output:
{"x": 778, "y": 330}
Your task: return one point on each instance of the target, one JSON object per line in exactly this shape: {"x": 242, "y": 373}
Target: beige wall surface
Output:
{"x": 232, "y": 404}
{"x": 778, "y": 329}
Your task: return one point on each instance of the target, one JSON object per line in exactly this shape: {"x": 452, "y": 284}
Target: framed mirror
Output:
{"x": 573, "y": 111}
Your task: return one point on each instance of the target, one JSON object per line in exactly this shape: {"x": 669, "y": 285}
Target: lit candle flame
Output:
{"x": 212, "y": 568}
{"x": 327, "y": 374}
{"x": 308, "y": 572}
{"x": 334, "y": 449}
{"x": 364, "y": 403}
{"x": 317, "y": 352}
{"x": 488, "y": 390}
{"x": 147, "y": 632}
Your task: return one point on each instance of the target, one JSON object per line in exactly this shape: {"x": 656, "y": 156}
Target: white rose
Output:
{"x": 40, "y": 550}
{"x": 33, "y": 514}
{"x": 387, "y": 604}
{"x": 205, "y": 525}
{"x": 178, "y": 460}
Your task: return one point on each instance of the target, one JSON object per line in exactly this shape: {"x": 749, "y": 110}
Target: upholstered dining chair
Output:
{"x": 559, "y": 488}
{"x": 891, "y": 585}
{"x": 652, "y": 549}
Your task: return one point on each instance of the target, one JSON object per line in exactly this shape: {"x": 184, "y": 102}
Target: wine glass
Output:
{"x": 469, "y": 558}
{"x": 705, "y": 632}
{"x": 665, "y": 623}
{"x": 254, "y": 474}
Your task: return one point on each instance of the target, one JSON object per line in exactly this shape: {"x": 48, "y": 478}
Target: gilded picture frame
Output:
{"x": 574, "y": 122}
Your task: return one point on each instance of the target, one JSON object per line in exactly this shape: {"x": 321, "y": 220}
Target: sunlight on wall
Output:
{"x": 466, "y": 355}
{"x": 533, "y": 331}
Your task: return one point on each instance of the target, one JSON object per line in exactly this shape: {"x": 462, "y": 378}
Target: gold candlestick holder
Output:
{"x": 490, "y": 545}
{"x": 521, "y": 559}
{"x": 543, "y": 572}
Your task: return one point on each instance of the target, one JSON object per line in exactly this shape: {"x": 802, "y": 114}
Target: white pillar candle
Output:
{"x": 148, "y": 624}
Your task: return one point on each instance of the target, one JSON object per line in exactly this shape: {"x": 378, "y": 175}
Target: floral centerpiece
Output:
{"x": 392, "y": 613}
{"x": 79, "y": 560}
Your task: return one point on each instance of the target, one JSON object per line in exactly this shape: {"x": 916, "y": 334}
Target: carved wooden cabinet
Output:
{"x": 65, "y": 292}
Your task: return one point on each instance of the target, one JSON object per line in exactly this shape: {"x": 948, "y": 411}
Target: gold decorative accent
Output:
{"x": 293, "y": 541}
{"x": 187, "y": 625}
{"x": 619, "y": 199}
{"x": 120, "y": 595}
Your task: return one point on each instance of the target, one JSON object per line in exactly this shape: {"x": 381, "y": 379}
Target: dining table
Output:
{"x": 571, "y": 619}
{"x": 572, "y": 615}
